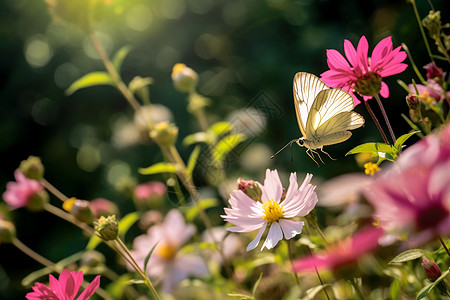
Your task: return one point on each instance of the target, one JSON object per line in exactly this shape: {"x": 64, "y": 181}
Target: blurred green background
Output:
{"x": 246, "y": 53}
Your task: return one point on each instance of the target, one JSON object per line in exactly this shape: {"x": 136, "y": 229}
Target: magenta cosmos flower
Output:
{"x": 360, "y": 73}
{"x": 167, "y": 262}
{"x": 64, "y": 288}
{"x": 275, "y": 209}
{"x": 20, "y": 193}
{"x": 414, "y": 195}
{"x": 342, "y": 253}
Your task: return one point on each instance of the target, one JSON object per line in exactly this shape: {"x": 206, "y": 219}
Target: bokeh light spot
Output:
{"x": 44, "y": 111}
{"x": 38, "y": 51}
{"x": 88, "y": 158}
{"x": 173, "y": 9}
{"x": 104, "y": 39}
{"x": 139, "y": 17}
{"x": 200, "y": 7}
{"x": 167, "y": 57}
{"x": 234, "y": 13}
{"x": 65, "y": 74}
{"x": 117, "y": 170}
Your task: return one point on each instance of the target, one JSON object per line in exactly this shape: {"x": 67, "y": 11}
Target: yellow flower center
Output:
{"x": 426, "y": 97}
{"x": 166, "y": 251}
{"x": 272, "y": 211}
{"x": 371, "y": 168}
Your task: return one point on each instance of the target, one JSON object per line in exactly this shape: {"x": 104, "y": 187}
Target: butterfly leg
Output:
{"x": 310, "y": 153}
{"x": 321, "y": 149}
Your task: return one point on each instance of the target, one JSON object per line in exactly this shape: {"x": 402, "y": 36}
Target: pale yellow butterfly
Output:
{"x": 324, "y": 115}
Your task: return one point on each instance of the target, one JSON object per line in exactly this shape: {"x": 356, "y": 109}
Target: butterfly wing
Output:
{"x": 306, "y": 87}
{"x": 331, "y": 112}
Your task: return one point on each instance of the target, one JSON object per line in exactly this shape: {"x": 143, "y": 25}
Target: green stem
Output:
{"x": 386, "y": 119}
{"x": 69, "y": 218}
{"x": 413, "y": 64}
{"x": 422, "y": 31}
{"x": 53, "y": 190}
{"x": 291, "y": 259}
{"x": 127, "y": 255}
{"x": 444, "y": 245}
{"x": 375, "y": 120}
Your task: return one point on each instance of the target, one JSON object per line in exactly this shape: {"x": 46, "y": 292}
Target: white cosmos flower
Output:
{"x": 274, "y": 210}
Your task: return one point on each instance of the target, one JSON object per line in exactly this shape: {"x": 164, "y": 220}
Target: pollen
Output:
{"x": 166, "y": 251}
{"x": 371, "y": 168}
{"x": 272, "y": 211}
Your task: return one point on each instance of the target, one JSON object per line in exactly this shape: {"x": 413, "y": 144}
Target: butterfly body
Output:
{"x": 324, "y": 115}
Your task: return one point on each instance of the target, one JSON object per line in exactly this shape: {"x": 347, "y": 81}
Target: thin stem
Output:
{"x": 375, "y": 120}
{"x": 53, "y": 190}
{"x": 69, "y": 218}
{"x": 130, "y": 259}
{"x": 422, "y": 31}
{"x": 413, "y": 64}
{"x": 291, "y": 259}
{"x": 321, "y": 282}
{"x": 386, "y": 119}
{"x": 444, "y": 245}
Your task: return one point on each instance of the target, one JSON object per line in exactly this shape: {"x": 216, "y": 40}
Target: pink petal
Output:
{"x": 272, "y": 188}
{"x": 381, "y": 50}
{"x": 392, "y": 70}
{"x": 273, "y": 237}
{"x": 41, "y": 291}
{"x": 350, "y": 53}
{"x": 336, "y": 61}
{"x": 363, "y": 51}
{"x": 90, "y": 289}
{"x": 256, "y": 240}
{"x": 291, "y": 228}
{"x": 384, "y": 92}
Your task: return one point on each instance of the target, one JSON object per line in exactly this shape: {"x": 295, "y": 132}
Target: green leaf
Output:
{"x": 413, "y": 126}
{"x": 402, "y": 139}
{"x": 221, "y": 128}
{"x": 147, "y": 257}
{"x": 202, "y": 203}
{"x": 255, "y": 286}
{"x": 424, "y": 292}
{"x": 395, "y": 289}
{"x": 158, "y": 168}
{"x": 94, "y": 241}
{"x": 408, "y": 255}
{"x": 194, "y": 246}
{"x": 90, "y": 79}
{"x": 134, "y": 281}
{"x": 198, "y": 137}
{"x": 312, "y": 292}
{"x": 373, "y": 148}
{"x": 225, "y": 145}
{"x": 120, "y": 56}
{"x": 193, "y": 159}
{"x": 127, "y": 221}
{"x": 241, "y": 296}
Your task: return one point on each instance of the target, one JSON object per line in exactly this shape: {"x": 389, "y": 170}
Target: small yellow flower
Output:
{"x": 68, "y": 204}
{"x": 371, "y": 168}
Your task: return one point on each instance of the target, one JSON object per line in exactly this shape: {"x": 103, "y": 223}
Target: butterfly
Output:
{"x": 324, "y": 115}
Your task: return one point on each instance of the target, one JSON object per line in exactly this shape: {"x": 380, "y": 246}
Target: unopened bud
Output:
{"x": 37, "y": 201}
{"x": 81, "y": 210}
{"x": 150, "y": 195}
{"x": 432, "y": 22}
{"x": 369, "y": 84}
{"x": 184, "y": 78}
{"x": 164, "y": 134}
{"x": 107, "y": 227}
{"x": 250, "y": 188}
{"x": 32, "y": 168}
{"x": 433, "y": 71}
{"x": 103, "y": 207}
{"x": 431, "y": 269}
{"x": 7, "y": 231}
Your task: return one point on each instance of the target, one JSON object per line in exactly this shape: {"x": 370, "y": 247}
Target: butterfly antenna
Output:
{"x": 288, "y": 144}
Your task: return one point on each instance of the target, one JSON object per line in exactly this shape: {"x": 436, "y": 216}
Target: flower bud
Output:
{"x": 32, "y": 168}
{"x": 150, "y": 195}
{"x": 37, "y": 201}
{"x": 164, "y": 134}
{"x": 369, "y": 84}
{"x": 7, "y": 231}
{"x": 184, "y": 79}
{"x": 432, "y": 22}
{"x": 81, "y": 210}
{"x": 103, "y": 207}
{"x": 431, "y": 269}
{"x": 107, "y": 227}
{"x": 250, "y": 188}
{"x": 434, "y": 72}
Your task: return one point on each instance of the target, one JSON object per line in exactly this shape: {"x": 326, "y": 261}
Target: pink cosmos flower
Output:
{"x": 150, "y": 194}
{"x": 273, "y": 210}
{"x": 343, "y": 253}
{"x": 363, "y": 74}
{"x": 19, "y": 193}
{"x": 66, "y": 287}
{"x": 414, "y": 195}
{"x": 166, "y": 262}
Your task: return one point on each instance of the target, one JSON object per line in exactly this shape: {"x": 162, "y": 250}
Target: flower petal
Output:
{"x": 291, "y": 228}
{"x": 256, "y": 240}
{"x": 350, "y": 53}
{"x": 363, "y": 51}
{"x": 272, "y": 188}
{"x": 90, "y": 289}
{"x": 273, "y": 237}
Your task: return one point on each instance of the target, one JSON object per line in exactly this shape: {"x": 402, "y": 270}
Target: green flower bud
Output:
{"x": 250, "y": 188}
{"x": 184, "y": 79}
{"x": 432, "y": 22}
{"x": 107, "y": 228}
{"x": 164, "y": 134}
{"x": 81, "y": 210}
{"x": 37, "y": 201}
{"x": 7, "y": 231}
{"x": 32, "y": 168}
